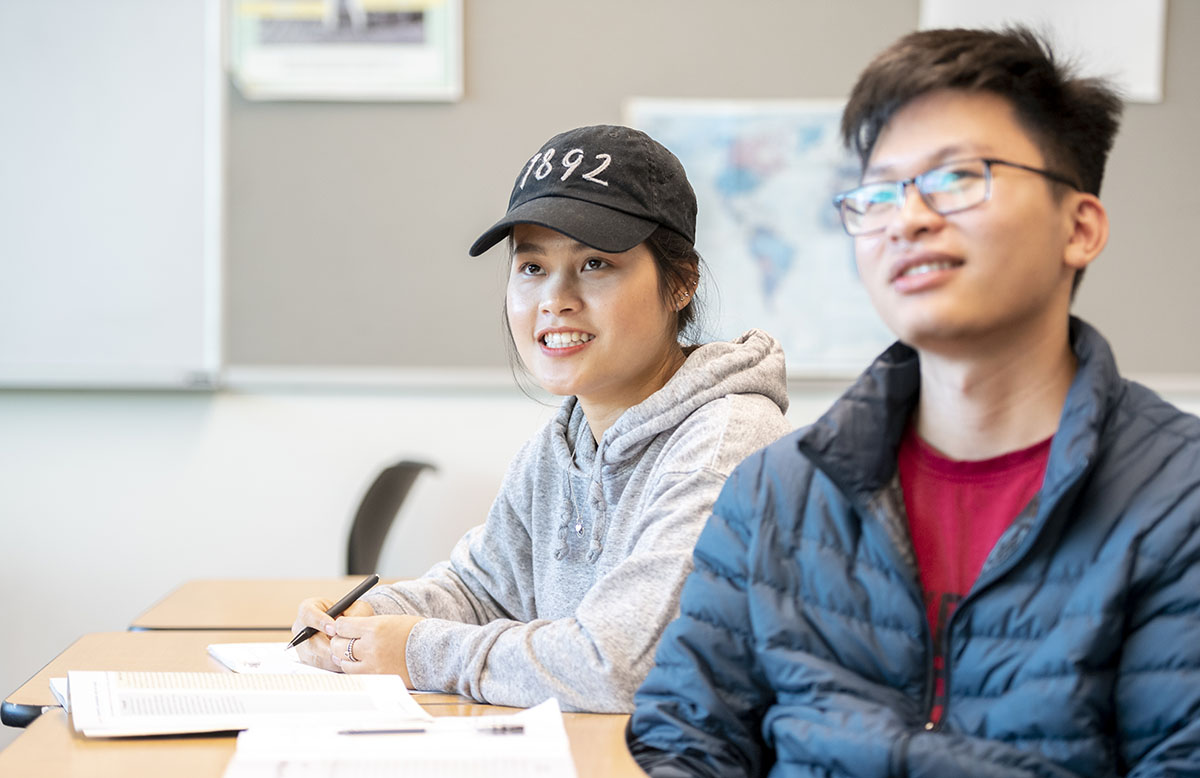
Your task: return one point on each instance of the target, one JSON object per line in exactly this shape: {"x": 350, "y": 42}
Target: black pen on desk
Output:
{"x": 337, "y": 609}
{"x": 498, "y": 729}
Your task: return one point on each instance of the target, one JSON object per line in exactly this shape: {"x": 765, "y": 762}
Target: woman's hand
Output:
{"x": 371, "y": 644}
{"x": 315, "y": 651}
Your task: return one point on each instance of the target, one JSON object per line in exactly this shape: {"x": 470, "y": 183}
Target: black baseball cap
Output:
{"x": 606, "y": 186}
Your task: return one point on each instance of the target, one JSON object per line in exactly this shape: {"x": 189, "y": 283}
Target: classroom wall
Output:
{"x": 352, "y": 221}
{"x": 110, "y": 499}
{"x": 327, "y": 196}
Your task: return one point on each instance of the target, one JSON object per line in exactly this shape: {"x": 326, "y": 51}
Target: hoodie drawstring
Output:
{"x": 568, "y": 513}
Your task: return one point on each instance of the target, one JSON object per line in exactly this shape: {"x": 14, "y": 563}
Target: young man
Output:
{"x": 984, "y": 560}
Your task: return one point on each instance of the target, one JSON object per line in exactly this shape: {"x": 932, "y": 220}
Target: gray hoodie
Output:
{"x": 566, "y": 588}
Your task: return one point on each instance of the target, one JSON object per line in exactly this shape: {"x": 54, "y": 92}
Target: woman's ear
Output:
{"x": 688, "y": 281}
{"x": 1088, "y": 230}
{"x": 682, "y": 298}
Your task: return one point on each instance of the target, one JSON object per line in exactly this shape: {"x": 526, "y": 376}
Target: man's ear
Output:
{"x": 1087, "y": 230}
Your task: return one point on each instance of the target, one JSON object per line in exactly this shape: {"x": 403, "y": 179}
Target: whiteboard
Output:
{"x": 110, "y": 193}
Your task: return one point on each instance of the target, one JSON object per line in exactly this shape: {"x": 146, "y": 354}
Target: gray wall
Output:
{"x": 348, "y": 223}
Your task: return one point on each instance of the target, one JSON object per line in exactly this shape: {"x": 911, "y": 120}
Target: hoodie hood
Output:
{"x": 752, "y": 364}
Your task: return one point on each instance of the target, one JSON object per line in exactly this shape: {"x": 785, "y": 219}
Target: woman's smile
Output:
{"x": 590, "y": 323}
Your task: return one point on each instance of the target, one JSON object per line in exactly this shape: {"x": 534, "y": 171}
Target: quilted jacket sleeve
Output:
{"x": 1158, "y": 680}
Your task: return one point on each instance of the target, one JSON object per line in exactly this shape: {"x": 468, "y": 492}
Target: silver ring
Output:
{"x": 350, "y": 650}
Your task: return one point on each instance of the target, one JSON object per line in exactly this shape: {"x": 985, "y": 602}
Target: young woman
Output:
{"x": 565, "y": 589}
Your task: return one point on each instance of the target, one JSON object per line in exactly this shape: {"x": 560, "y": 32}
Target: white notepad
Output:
{"x": 261, "y": 658}
{"x": 118, "y": 704}
{"x": 268, "y": 658}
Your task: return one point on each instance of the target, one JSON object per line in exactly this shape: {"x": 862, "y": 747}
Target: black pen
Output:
{"x": 498, "y": 729}
{"x": 336, "y": 610}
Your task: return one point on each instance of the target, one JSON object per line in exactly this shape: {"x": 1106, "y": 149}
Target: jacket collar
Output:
{"x": 1096, "y": 390}
{"x": 855, "y": 442}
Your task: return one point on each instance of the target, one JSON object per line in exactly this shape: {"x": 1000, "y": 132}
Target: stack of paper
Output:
{"x": 58, "y": 687}
{"x": 116, "y": 704}
{"x": 530, "y": 743}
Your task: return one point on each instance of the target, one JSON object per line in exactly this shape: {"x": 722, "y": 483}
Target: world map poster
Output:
{"x": 765, "y": 174}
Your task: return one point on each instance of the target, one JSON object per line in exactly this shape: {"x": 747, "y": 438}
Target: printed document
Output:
{"x": 118, "y": 704}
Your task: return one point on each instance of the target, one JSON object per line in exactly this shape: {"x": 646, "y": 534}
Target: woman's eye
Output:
{"x": 530, "y": 269}
{"x": 594, "y": 264}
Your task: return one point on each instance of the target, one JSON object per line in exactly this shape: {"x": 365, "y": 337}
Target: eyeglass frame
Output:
{"x": 903, "y": 184}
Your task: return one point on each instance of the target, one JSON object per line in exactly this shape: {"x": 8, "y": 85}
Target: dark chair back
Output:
{"x": 376, "y": 513}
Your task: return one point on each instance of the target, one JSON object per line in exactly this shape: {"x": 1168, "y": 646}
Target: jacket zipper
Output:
{"x": 930, "y": 724}
{"x": 930, "y": 681}
{"x": 930, "y": 675}
{"x": 914, "y": 585}
{"x": 985, "y": 580}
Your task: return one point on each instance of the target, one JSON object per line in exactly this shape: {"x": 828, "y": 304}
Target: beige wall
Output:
{"x": 108, "y": 500}
{"x": 348, "y": 224}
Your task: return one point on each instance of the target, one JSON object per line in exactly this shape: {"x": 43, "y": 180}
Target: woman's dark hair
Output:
{"x": 679, "y": 266}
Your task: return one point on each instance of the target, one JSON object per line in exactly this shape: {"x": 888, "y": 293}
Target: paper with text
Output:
{"x": 117, "y": 704}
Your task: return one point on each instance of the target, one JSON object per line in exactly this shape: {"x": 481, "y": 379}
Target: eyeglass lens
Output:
{"x": 947, "y": 188}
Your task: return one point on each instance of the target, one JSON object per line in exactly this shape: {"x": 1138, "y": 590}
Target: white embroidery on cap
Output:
{"x": 591, "y": 174}
{"x": 532, "y": 161}
{"x": 542, "y": 165}
{"x": 546, "y": 167}
{"x": 571, "y": 162}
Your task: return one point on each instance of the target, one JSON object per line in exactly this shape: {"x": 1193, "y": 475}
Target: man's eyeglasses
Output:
{"x": 949, "y": 188}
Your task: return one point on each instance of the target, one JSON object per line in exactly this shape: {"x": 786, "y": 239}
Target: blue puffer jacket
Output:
{"x": 803, "y": 647}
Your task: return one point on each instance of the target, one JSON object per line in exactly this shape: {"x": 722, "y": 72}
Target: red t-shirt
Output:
{"x": 956, "y": 512}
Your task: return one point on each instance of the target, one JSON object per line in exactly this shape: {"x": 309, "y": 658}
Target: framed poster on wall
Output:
{"x": 347, "y": 49}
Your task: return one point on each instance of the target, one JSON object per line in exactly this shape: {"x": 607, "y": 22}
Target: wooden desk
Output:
{"x": 172, "y": 636}
{"x": 245, "y": 603}
{"x": 180, "y": 651}
{"x": 50, "y": 748}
